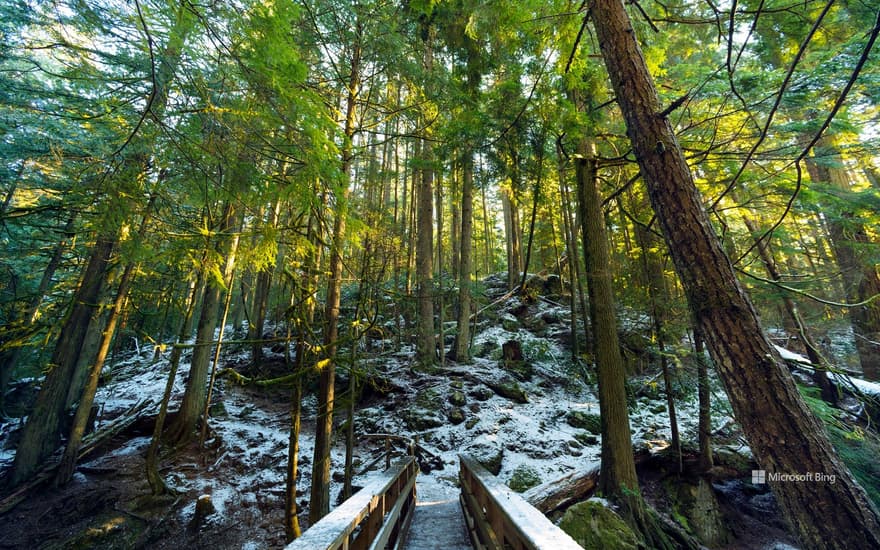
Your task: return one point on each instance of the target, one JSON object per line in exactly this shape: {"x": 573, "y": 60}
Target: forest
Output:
{"x": 626, "y": 255}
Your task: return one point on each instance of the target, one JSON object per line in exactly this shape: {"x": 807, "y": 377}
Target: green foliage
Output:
{"x": 859, "y": 448}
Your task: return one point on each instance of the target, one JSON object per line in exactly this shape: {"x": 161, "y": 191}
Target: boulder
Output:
{"x": 488, "y": 455}
{"x": 595, "y": 526}
{"x": 585, "y": 421}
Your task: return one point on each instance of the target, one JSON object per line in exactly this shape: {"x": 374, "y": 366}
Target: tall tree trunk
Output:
{"x": 617, "y": 479}
{"x": 536, "y": 198}
{"x": 83, "y": 410}
{"x": 705, "y": 405}
{"x": 261, "y": 297}
{"x": 465, "y": 277}
{"x": 514, "y": 236}
{"x": 783, "y": 434}
{"x": 320, "y": 492}
{"x": 154, "y": 478}
{"x": 425, "y": 344}
{"x": 304, "y": 319}
{"x": 194, "y": 397}
{"x": 41, "y": 433}
{"x": 574, "y": 255}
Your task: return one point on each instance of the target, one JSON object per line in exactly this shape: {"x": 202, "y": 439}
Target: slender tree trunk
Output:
{"x": 455, "y": 237}
{"x": 261, "y": 297}
{"x": 157, "y": 484}
{"x": 465, "y": 274}
{"x": 783, "y": 434}
{"x": 184, "y": 425}
{"x": 206, "y": 411}
{"x": 513, "y": 234}
{"x": 425, "y": 343}
{"x": 320, "y": 492}
{"x": 571, "y": 252}
{"x": 705, "y": 406}
{"x": 536, "y": 197}
{"x": 303, "y": 322}
{"x": 577, "y": 276}
{"x": 617, "y": 479}
{"x": 41, "y": 433}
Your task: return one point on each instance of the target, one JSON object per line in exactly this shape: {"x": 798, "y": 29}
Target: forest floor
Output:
{"x": 538, "y": 433}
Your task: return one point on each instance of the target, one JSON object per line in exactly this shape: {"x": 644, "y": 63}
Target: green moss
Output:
{"x": 524, "y": 478}
{"x": 585, "y": 421}
{"x": 595, "y": 526}
{"x": 456, "y": 415}
{"x": 509, "y": 389}
{"x": 457, "y": 398}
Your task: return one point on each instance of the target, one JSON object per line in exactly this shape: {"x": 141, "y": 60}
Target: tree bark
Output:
{"x": 425, "y": 343}
{"x": 320, "y": 491}
{"x": 41, "y": 433}
{"x": 195, "y": 394}
{"x": 784, "y": 435}
{"x": 465, "y": 277}
{"x": 705, "y": 406}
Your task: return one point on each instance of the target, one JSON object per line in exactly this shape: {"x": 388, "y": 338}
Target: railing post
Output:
{"x": 387, "y": 452}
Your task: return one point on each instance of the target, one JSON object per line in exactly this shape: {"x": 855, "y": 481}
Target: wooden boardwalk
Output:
{"x": 438, "y": 521}
{"x": 389, "y": 512}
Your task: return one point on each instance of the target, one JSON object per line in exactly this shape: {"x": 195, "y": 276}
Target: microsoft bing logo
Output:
{"x": 759, "y": 477}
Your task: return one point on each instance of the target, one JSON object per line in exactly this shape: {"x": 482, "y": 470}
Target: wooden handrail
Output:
{"x": 361, "y": 522}
{"x": 499, "y": 518}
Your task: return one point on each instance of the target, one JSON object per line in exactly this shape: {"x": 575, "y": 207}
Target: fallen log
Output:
{"x": 555, "y": 497}
{"x": 559, "y": 494}
{"x": 91, "y": 442}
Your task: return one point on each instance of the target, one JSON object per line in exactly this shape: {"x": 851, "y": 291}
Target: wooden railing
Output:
{"x": 377, "y": 516}
{"x": 498, "y": 518}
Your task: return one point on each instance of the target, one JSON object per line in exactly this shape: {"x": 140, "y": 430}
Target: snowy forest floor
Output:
{"x": 538, "y": 433}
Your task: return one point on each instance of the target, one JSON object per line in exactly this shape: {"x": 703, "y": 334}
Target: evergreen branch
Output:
{"x": 806, "y": 294}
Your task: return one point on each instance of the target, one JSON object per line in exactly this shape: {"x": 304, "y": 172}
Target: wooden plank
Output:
{"x": 530, "y": 526}
{"x": 478, "y": 525}
{"x": 391, "y": 521}
{"x": 334, "y": 529}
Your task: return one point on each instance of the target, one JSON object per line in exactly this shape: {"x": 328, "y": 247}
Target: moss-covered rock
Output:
{"x": 456, "y": 415}
{"x": 482, "y": 393}
{"x": 595, "y": 526}
{"x": 509, "y": 389}
{"x": 488, "y": 455}
{"x": 457, "y": 398}
{"x": 420, "y": 419}
{"x": 585, "y": 421}
{"x": 523, "y": 478}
